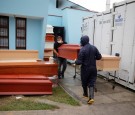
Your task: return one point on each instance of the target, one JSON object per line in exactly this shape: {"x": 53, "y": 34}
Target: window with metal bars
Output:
{"x": 4, "y": 32}
{"x": 20, "y": 33}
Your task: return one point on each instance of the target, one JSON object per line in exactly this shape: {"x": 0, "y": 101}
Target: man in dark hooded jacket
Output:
{"x": 87, "y": 59}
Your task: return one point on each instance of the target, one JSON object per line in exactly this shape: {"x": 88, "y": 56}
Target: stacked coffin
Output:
{"x": 49, "y": 43}
{"x": 22, "y": 73}
{"x": 25, "y": 84}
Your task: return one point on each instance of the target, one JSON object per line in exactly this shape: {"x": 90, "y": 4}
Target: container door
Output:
{"x": 98, "y": 32}
{"x": 102, "y": 36}
{"x": 85, "y": 26}
{"x": 91, "y": 30}
{"x": 88, "y": 28}
{"x": 129, "y": 41}
{"x": 117, "y": 40}
{"x": 106, "y": 34}
{"x": 123, "y": 39}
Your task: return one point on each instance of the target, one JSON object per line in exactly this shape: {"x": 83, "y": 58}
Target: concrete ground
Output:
{"x": 120, "y": 101}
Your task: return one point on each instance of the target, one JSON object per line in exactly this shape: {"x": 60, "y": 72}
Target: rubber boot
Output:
{"x": 91, "y": 95}
{"x": 85, "y": 92}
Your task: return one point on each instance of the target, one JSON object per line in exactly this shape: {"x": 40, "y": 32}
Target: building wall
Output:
{"x": 32, "y": 8}
{"x": 55, "y": 20}
{"x": 69, "y": 18}
{"x": 55, "y": 15}
{"x": 34, "y": 26}
{"x": 36, "y": 13}
{"x": 12, "y": 33}
{"x": 62, "y": 4}
{"x": 73, "y": 23}
{"x": 52, "y": 8}
{"x": 65, "y": 24}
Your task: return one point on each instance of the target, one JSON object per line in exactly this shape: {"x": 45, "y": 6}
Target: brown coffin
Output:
{"x": 28, "y": 68}
{"x": 69, "y": 51}
{"x": 49, "y": 38}
{"x": 25, "y": 87}
{"x": 26, "y": 77}
{"x": 108, "y": 63}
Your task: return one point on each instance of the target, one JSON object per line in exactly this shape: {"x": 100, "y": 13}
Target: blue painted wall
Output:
{"x": 65, "y": 24}
{"x": 73, "y": 23}
{"x": 69, "y": 18}
{"x": 12, "y": 33}
{"x": 35, "y": 8}
{"x": 62, "y": 4}
{"x": 34, "y": 26}
{"x": 36, "y": 12}
{"x": 54, "y": 20}
{"x": 55, "y": 15}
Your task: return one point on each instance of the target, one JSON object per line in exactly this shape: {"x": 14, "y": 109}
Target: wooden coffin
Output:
{"x": 25, "y": 86}
{"x": 69, "y": 51}
{"x": 48, "y": 52}
{"x": 49, "y": 29}
{"x": 28, "y": 68}
{"x": 18, "y": 55}
{"x": 28, "y": 77}
{"x": 108, "y": 63}
{"x": 49, "y": 38}
{"x": 49, "y": 45}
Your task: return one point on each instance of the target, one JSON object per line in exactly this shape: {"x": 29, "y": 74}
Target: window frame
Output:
{"x": 6, "y": 27}
{"x": 21, "y": 28}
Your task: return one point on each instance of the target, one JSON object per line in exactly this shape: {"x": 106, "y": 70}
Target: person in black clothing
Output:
{"x": 87, "y": 58}
{"x": 61, "y": 61}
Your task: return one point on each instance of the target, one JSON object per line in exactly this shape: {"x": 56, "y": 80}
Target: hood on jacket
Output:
{"x": 84, "y": 40}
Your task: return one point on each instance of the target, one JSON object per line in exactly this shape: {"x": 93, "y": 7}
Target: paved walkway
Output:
{"x": 119, "y": 101}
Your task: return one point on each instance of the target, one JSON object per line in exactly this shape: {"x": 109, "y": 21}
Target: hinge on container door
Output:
{"x": 113, "y": 28}
{"x": 114, "y": 13}
{"x": 112, "y": 43}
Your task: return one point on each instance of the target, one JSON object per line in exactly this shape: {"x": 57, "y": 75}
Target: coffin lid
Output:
{"x": 70, "y": 47}
{"x": 105, "y": 56}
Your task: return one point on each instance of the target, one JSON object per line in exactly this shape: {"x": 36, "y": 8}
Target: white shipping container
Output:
{"x": 102, "y": 36}
{"x": 88, "y": 28}
{"x": 114, "y": 32}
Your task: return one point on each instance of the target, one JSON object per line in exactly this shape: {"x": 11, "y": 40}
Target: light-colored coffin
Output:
{"x": 48, "y": 52}
{"x": 49, "y": 44}
{"x": 18, "y": 55}
{"x": 108, "y": 63}
{"x": 49, "y": 29}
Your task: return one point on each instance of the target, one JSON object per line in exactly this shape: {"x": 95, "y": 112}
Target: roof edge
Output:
{"x": 81, "y": 6}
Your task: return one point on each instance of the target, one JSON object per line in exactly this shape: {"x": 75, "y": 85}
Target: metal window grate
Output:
{"x": 4, "y": 32}
{"x": 20, "y": 33}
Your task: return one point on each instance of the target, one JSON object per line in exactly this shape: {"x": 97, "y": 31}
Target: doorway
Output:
{"x": 59, "y": 31}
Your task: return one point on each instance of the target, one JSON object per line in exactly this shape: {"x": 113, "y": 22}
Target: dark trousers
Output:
{"x": 62, "y": 65}
{"x": 88, "y": 78}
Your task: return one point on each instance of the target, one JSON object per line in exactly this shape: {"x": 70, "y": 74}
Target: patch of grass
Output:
{"x": 22, "y": 104}
{"x": 59, "y": 95}
{"x": 10, "y": 103}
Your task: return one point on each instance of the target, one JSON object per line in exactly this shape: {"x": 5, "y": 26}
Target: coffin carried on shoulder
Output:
{"x": 69, "y": 51}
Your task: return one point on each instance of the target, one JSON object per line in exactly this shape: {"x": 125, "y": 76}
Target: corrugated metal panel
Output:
{"x": 118, "y": 36}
